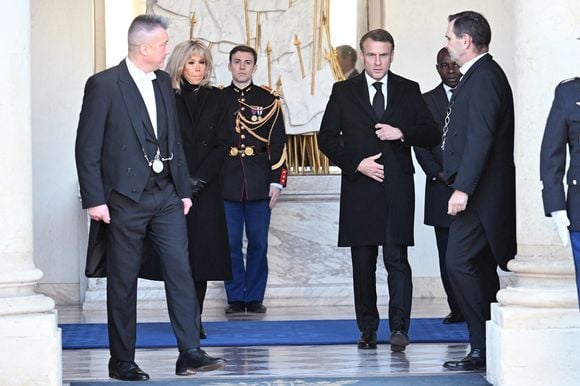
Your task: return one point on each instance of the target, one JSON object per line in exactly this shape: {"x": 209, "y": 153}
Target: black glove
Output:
{"x": 197, "y": 185}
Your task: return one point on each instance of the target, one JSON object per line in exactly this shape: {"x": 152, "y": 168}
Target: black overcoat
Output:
{"x": 479, "y": 150}
{"x": 437, "y": 192}
{"x": 366, "y": 206}
{"x": 205, "y": 137}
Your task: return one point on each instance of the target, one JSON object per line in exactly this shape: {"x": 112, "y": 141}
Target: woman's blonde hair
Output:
{"x": 179, "y": 57}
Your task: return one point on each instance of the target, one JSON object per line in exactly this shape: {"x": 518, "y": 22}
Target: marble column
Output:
{"x": 29, "y": 336}
{"x": 533, "y": 336}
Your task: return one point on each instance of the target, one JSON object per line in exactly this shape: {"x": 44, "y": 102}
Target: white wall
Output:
{"x": 62, "y": 60}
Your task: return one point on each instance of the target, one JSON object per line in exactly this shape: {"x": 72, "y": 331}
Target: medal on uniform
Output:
{"x": 254, "y": 118}
{"x": 260, "y": 110}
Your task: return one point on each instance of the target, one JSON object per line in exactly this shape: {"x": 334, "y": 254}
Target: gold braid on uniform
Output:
{"x": 250, "y": 126}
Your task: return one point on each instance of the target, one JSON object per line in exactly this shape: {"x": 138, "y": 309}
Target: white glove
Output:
{"x": 561, "y": 220}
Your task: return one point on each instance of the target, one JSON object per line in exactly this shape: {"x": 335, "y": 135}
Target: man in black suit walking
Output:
{"x": 437, "y": 192}
{"x": 381, "y": 115}
{"x": 478, "y": 147}
{"x": 133, "y": 181}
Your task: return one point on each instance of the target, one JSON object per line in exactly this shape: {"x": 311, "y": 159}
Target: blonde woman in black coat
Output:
{"x": 200, "y": 109}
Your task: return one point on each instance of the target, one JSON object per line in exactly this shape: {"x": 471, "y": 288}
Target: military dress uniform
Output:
{"x": 256, "y": 159}
{"x": 563, "y": 129}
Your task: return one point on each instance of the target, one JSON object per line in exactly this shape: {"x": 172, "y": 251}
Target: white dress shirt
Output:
{"x": 448, "y": 91}
{"x": 466, "y": 66}
{"x": 372, "y": 90}
{"x": 144, "y": 82}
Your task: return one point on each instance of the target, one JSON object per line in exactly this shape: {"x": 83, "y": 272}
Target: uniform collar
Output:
{"x": 244, "y": 90}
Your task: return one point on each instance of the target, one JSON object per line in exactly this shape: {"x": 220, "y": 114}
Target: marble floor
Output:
{"x": 278, "y": 362}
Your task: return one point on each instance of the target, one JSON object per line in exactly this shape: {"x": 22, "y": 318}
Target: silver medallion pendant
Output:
{"x": 157, "y": 166}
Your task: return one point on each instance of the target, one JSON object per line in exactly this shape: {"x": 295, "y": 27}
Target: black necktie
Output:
{"x": 379, "y": 100}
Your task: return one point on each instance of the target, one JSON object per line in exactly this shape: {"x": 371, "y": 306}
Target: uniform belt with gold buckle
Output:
{"x": 243, "y": 151}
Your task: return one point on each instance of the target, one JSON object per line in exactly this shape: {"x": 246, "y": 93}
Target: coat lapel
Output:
{"x": 361, "y": 95}
{"x": 442, "y": 102}
{"x": 393, "y": 96}
{"x": 133, "y": 101}
{"x": 166, "y": 95}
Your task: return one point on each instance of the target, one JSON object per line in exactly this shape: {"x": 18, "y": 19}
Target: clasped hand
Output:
{"x": 386, "y": 132}
{"x": 372, "y": 169}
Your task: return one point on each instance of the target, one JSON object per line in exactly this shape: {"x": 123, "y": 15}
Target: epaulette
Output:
{"x": 569, "y": 80}
{"x": 270, "y": 90}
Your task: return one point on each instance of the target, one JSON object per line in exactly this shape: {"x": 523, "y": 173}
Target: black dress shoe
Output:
{"x": 194, "y": 360}
{"x": 126, "y": 371}
{"x": 367, "y": 340}
{"x": 256, "y": 308}
{"x": 474, "y": 361}
{"x": 399, "y": 341}
{"x": 202, "y": 333}
{"x": 453, "y": 317}
{"x": 236, "y": 308}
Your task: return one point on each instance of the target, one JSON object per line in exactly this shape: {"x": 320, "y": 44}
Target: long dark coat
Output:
{"x": 437, "y": 192}
{"x": 205, "y": 135}
{"x": 366, "y": 206}
{"x": 479, "y": 151}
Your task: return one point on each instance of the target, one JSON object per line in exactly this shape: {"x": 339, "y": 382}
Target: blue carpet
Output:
{"x": 264, "y": 333}
{"x": 422, "y": 380}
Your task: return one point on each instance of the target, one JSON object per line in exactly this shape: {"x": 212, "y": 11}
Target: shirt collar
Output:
{"x": 136, "y": 73}
{"x": 466, "y": 66}
{"x": 370, "y": 80}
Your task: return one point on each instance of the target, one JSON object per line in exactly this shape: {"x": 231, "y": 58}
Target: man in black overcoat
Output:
{"x": 437, "y": 192}
{"x": 133, "y": 183}
{"x": 381, "y": 115}
{"x": 478, "y": 149}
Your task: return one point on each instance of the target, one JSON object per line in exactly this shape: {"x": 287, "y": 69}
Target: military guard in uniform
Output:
{"x": 563, "y": 129}
{"x": 253, "y": 176}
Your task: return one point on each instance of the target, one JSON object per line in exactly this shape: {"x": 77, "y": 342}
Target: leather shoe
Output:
{"x": 367, "y": 340}
{"x": 256, "y": 308}
{"x": 126, "y": 371}
{"x": 193, "y": 360}
{"x": 453, "y": 317}
{"x": 236, "y": 308}
{"x": 399, "y": 341}
{"x": 474, "y": 361}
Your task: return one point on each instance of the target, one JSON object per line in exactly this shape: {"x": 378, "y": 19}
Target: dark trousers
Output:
{"x": 364, "y": 266}
{"x": 248, "y": 282}
{"x": 442, "y": 235}
{"x": 159, "y": 214}
{"x": 472, "y": 270}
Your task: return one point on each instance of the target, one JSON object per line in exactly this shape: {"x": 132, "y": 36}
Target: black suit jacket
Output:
{"x": 109, "y": 147}
{"x": 478, "y": 155}
{"x": 366, "y": 206}
{"x": 437, "y": 192}
{"x": 562, "y": 130}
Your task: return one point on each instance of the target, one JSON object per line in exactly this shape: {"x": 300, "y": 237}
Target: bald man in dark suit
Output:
{"x": 133, "y": 182}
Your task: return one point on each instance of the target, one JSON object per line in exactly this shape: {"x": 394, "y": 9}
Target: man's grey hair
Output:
{"x": 142, "y": 27}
